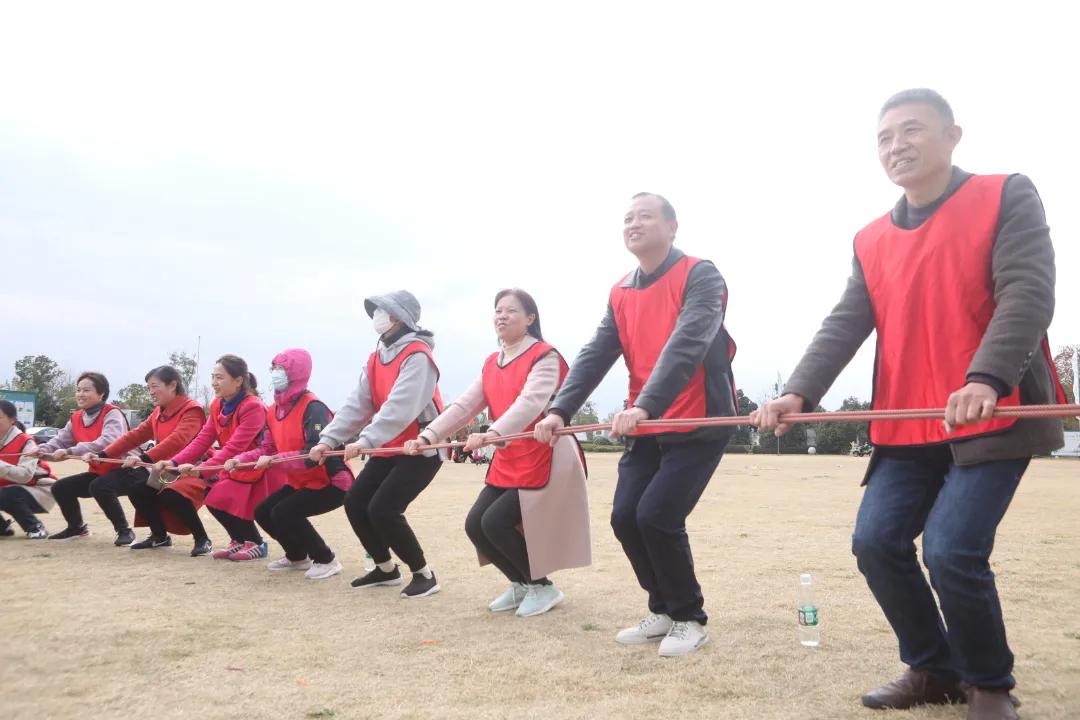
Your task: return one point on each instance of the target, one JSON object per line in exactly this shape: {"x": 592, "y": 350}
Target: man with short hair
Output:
{"x": 666, "y": 319}
{"x": 958, "y": 282}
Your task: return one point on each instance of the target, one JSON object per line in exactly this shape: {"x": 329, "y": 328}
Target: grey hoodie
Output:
{"x": 410, "y": 399}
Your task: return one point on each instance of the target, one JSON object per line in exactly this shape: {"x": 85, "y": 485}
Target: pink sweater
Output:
{"x": 250, "y": 419}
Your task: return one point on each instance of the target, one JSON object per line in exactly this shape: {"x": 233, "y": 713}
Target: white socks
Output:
{"x": 387, "y": 566}
{"x": 425, "y": 571}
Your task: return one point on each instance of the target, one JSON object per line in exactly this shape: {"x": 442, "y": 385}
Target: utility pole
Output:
{"x": 198, "y": 353}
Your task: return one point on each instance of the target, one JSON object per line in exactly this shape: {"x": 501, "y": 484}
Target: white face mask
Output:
{"x": 381, "y": 321}
{"x": 279, "y": 379}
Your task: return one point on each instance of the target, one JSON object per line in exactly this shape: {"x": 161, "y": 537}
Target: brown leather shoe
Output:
{"x": 991, "y": 705}
{"x": 914, "y": 687}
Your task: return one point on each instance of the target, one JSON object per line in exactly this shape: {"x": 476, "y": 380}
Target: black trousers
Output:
{"x": 106, "y": 489}
{"x": 659, "y": 485}
{"x": 21, "y": 505}
{"x": 150, "y": 502}
{"x": 239, "y": 529}
{"x": 376, "y": 503}
{"x": 492, "y": 526}
{"x": 284, "y": 516}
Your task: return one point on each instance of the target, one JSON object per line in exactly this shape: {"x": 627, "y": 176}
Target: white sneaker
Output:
{"x": 287, "y": 564}
{"x": 510, "y": 599}
{"x": 653, "y": 628}
{"x": 683, "y": 639}
{"x": 321, "y": 571}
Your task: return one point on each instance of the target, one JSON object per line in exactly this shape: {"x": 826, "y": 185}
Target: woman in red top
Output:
{"x": 175, "y": 420}
{"x": 532, "y": 516}
{"x": 236, "y": 421}
{"x": 25, "y": 482}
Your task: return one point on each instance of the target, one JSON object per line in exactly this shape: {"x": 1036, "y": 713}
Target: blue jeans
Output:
{"x": 957, "y": 510}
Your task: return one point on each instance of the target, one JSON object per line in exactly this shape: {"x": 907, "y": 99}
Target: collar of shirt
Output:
{"x": 640, "y": 279}
{"x": 509, "y": 352}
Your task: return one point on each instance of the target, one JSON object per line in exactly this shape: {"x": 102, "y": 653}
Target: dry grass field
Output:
{"x": 88, "y": 630}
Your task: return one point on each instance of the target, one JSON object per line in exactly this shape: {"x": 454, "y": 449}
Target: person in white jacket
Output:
{"x": 395, "y": 398}
{"x": 25, "y": 483}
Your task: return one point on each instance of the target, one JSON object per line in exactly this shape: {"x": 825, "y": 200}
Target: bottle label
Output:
{"x": 808, "y": 615}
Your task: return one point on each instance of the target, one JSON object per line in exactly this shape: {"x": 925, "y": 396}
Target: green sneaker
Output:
{"x": 509, "y": 599}
{"x": 539, "y": 599}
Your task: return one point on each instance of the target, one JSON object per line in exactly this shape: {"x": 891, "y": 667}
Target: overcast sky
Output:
{"x": 248, "y": 172}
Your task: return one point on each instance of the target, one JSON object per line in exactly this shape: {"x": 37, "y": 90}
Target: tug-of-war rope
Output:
{"x": 843, "y": 416}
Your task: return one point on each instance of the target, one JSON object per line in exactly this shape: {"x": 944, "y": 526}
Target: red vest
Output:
{"x": 522, "y": 463}
{"x": 15, "y": 447}
{"x": 225, "y": 431}
{"x": 83, "y": 434}
{"x": 382, "y": 378}
{"x": 288, "y": 435}
{"x": 163, "y": 428}
{"x": 933, "y": 297}
{"x": 645, "y": 319}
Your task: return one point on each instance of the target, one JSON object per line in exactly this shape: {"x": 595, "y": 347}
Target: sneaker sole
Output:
{"x": 703, "y": 643}
{"x": 432, "y": 591}
{"x": 305, "y": 568}
{"x": 152, "y": 547}
{"x": 550, "y": 606}
{"x": 73, "y": 537}
{"x": 504, "y": 609}
{"x": 325, "y": 575}
{"x": 635, "y": 641}
{"x": 383, "y": 583}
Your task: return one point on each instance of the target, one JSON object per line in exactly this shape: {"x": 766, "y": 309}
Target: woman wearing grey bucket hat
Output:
{"x": 397, "y": 395}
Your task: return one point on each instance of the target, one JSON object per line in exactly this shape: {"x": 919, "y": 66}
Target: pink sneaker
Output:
{"x": 249, "y": 551}
{"x": 227, "y": 552}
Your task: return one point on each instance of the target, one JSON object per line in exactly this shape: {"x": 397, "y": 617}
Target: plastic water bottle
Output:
{"x": 809, "y": 619}
{"x": 369, "y": 562}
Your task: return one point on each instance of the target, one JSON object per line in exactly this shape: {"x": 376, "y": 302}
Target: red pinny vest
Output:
{"x": 164, "y": 428}
{"x": 83, "y": 434}
{"x": 15, "y": 447}
{"x": 381, "y": 379}
{"x": 226, "y": 430}
{"x": 932, "y": 292}
{"x": 645, "y": 319}
{"x": 522, "y": 463}
{"x": 288, "y": 435}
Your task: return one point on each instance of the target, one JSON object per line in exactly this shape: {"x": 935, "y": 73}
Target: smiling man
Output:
{"x": 958, "y": 282}
{"x": 666, "y": 319}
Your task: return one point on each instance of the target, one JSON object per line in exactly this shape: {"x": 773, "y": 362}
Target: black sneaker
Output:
{"x": 71, "y": 534}
{"x": 124, "y": 537}
{"x": 203, "y": 547}
{"x": 152, "y": 542}
{"x": 5, "y": 528}
{"x": 421, "y": 586}
{"x": 378, "y": 578}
